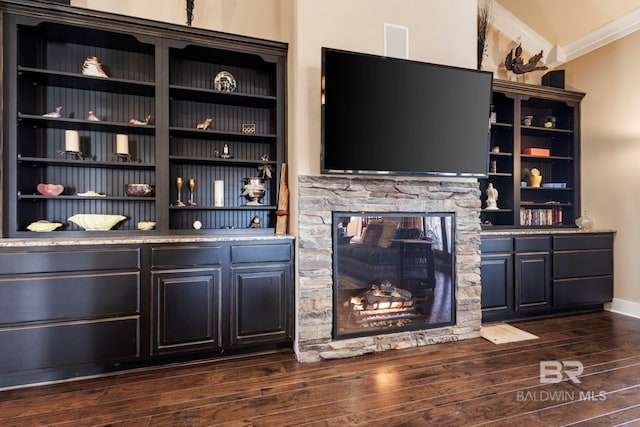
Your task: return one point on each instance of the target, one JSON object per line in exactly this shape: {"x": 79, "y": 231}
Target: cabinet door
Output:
{"x": 497, "y": 282}
{"x": 533, "y": 274}
{"x": 185, "y": 310}
{"x": 261, "y": 301}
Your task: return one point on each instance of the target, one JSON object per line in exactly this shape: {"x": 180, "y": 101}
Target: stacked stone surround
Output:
{"x": 319, "y": 196}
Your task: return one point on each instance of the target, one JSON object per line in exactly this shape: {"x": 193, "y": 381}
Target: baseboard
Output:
{"x": 620, "y": 306}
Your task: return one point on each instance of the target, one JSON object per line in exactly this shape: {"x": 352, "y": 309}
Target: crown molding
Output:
{"x": 517, "y": 30}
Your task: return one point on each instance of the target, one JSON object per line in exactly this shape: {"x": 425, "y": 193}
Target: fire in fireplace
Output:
{"x": 392, "y": 272}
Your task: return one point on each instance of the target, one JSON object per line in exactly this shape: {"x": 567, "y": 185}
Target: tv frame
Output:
{"x": 454, "y": 174}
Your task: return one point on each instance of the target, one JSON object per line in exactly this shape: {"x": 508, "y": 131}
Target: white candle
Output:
{"x": 218, "y": 192}
{"x": 122, "y": 144}
{"x": 71, "y": 141}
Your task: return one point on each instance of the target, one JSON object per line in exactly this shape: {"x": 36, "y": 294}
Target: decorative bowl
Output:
{"x": 50, "y": 189}
{"x": 43, "y": 226}
{"x": 96, "y": 222}
{"x": 140, "y": 190}
{"x": 146, "y": 225}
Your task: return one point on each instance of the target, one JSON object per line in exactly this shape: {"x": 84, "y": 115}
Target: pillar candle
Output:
{"x": 71, "y": 141}
{"x": 218, "y": 192}
{"x": 122, "y": 144}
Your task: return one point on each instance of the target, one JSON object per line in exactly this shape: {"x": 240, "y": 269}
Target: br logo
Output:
{"x": 552, "y": 371}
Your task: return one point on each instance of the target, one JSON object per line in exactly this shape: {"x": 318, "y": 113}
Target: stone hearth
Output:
{"x": 319, "y": 196}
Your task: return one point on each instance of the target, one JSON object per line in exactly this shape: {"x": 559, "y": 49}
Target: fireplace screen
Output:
{"x": 392, "y": 272}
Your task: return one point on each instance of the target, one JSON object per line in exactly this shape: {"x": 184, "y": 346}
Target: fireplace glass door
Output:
{"x": 392, "y": 272}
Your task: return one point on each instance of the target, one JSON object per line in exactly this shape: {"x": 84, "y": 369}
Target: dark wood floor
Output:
{"x": 472, "y": 382}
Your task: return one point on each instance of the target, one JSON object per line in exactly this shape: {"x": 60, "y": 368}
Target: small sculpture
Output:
{"x": 55, "y": 113}
{"x": 265, "y": 171}
{"x": 205, "y": 125}
{"x": 255, "y": 222}
{"x": 140, "y": 122}
{"x": 92, "y": 117}
{"x": 517, "y": 65}
{"x": 224, "y": 82}
{"x": 492, "y": 197}
{"x": 93, "y": 67}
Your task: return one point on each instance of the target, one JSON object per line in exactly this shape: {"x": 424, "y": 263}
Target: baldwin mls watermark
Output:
{"x": 556, "y": 371}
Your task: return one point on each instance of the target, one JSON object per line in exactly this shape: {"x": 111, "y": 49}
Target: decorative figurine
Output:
{"x": 254, "y": 190}
{"x": 190, "y": 7}
{"x": 93, "y": 67}
{"x": 224, "y": 82}
{"x": 205, "y": 125}
{"x": 265, "y": 170}
{"x": 140, "y": 122}
{"x": 92, "y": 117}
{"x": 56, "y": 114}
{"x": 517, "y": 65}
{"x": 492, "y": 197}
{"x": 255, "y": 222}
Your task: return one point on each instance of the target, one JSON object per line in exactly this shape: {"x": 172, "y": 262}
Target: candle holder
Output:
{"x": 192, "y": 187}
{"x": 74, "y": 154}
{"x": 179, "y": 184}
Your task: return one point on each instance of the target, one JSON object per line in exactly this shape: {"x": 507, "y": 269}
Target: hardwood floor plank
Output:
{"x": 460, "y": 383}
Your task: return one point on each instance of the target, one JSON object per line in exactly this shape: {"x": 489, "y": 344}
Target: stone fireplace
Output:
{"x": 319, "y": 197}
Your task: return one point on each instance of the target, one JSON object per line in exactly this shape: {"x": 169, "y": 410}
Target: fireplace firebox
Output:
{"x": 392, "y": 272}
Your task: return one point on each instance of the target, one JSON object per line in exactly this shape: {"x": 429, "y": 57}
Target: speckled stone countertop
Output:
{"x": 512, "y": 231}
{"x": 137, "y": 240}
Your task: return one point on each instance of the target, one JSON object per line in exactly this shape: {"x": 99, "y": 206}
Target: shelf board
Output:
{"x": 80, "y": 81}
{"x": 218, "y": 135}
{"x": 500, "y": 210}
{"x": 501, "y": 153}
{"x": 186, "y": 93}
{"x": 530, "y": 157}
{"x": 82, "y": 124}
{"x": 76, "y": 197}
{"x": 501, "y": 125}
{"x": 538, "y": 205}
{"x": 543, "y": 130}
{"x": 546, "y": 188}
{"x": 219, "y": 161}
{"x": 223, "y": 208}
{"x": 501, "y": 174}
{"x": 85, "y": 163}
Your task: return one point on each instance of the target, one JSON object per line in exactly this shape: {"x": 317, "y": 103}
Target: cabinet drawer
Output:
{"x": 533, "y": 244}
{"x": 70, "y": 260}
{"x": 68, "y": 344}
{"x": 498, "y": 244}
{"x": 186, "y": 256}
{"x": 587, "y": 241}
{"x": 582, "y": 263}
{"x": 587, "y": 290}
{"x": 34, "y": 299}
{"x": 261, "y": 253}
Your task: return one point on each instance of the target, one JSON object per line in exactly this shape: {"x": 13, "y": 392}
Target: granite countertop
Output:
{"x": 512, "y": 231}
{"x": 137, "y": 240}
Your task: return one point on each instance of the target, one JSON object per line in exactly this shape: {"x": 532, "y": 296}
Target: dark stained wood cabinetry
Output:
{"x": 531, "y": 275}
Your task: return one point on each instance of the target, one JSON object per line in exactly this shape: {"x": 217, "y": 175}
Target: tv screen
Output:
{"x": 393, "y": 116}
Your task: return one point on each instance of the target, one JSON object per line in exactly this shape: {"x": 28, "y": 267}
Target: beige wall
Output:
{"x": 611, "y": 150}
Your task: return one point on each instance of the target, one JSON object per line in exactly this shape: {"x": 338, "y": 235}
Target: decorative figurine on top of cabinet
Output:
{"x": 56, "y": 114}
{"x": 205, "y": 125}
{"x": 92, "y": 117}
{"x": 93, "y": 67}
{"x": 140, "y": 122}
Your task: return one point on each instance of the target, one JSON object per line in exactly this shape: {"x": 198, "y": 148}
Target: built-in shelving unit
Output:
{"x": 555, "y": 129}
{"x": 153, "y": 73}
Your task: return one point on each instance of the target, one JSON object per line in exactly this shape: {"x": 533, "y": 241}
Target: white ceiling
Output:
{"x": 565, "y": 29}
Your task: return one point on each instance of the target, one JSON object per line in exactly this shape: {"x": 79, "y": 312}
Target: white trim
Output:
{"x": 620, "y": 306}
{"x": 515, "y": 29}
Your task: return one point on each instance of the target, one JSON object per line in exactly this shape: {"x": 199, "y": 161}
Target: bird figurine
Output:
{"x": 205, "y": 125}
{"x": 255, "y": 222}
{"x": 140, "y": 122}
{"x": 55, "y": 113}
{"x": 93, "y": 67}
{"x": 265, "y": 170}
{"x": 92, "y": 117}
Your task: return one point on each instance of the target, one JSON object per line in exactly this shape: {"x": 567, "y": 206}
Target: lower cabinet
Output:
{"x": 532, "y": 275}
{"x": 75, "y": 311}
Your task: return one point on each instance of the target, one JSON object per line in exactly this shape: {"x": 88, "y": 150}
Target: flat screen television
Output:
{"x": 393, "y": 116}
